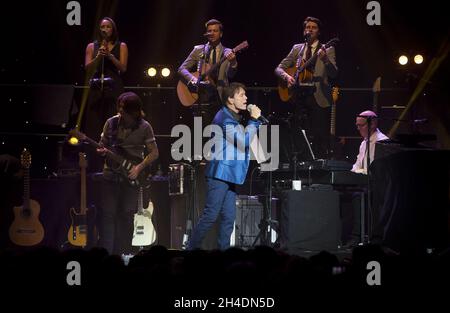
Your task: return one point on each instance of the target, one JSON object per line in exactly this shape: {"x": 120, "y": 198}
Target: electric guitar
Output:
{"x": 336, "y": 144}
{"x": 376, "y": 93}
{"x": 120, "y": 164}
{"x": 300, "y": 73}
{"x": 79, "y": 230}
{"x": 144, "y": 233}
{"x": 26, "y": 229}
{"x": 188, "y": 96}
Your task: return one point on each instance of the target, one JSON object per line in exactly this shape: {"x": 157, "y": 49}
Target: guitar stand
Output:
{"x": 191, "y": 203}
{"x": 266, "y": 224}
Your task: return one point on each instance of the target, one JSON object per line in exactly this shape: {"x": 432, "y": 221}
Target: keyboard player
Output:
{"x": 360, "y": 166}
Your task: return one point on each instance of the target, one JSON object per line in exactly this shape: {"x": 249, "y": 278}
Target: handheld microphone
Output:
{"x": 260, "y": 118}
{"x": 104, "y": 34}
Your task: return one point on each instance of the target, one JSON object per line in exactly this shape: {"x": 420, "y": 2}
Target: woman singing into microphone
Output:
{"x": 106, "y": 59}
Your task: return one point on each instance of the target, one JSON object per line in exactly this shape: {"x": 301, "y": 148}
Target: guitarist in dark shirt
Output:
{"x": 126, "y": 134}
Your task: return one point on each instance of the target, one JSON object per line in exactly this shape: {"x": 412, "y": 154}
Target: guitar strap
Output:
{"x": 300, "y": 55}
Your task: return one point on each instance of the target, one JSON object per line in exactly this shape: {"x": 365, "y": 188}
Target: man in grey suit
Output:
{"x": 312, "y": 99}
{"x": 210, "y": 53}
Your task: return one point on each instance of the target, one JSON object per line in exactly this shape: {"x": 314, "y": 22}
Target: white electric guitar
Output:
{"x": 144, "y": 232}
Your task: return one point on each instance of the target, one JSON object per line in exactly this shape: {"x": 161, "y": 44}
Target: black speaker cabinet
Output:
{"x": 310, "y": 220}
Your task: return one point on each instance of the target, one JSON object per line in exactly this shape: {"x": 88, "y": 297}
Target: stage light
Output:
{"x": 418, "y": 59}
{"x": 403, "y": 60}
{"x": 165, "y": 72}
{"x": 73, "y": 141}
{"x": 151, "y": 71}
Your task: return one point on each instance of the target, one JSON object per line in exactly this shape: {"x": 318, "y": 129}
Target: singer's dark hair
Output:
{"x": 214, "y": 22}
{"x": 230, "y": 91}
{"x": 314, "y": 20}
{"x": 115, "y": 33}
{"x": 130, "y": 103}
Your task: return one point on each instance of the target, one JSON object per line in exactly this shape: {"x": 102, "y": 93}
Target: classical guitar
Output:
{"x": 78, "y": 234}
{"x": 300, "y": 72}
{"x": 118, "y": 162}
{"x": 188, "y": 96}
{"x": 26, "y": 229}
{"x": 144, "y": 233}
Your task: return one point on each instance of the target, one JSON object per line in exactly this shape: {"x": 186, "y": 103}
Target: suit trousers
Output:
{"x": 220, "y": 203}
{"x": 315, "y": 120}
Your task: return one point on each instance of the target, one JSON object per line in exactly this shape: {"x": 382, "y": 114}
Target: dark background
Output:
{"x": 38, "y": 47}
{"x": 42, "y": 59}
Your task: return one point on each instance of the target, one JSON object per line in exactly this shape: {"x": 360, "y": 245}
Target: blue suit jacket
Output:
{"x": 231, "y": 158}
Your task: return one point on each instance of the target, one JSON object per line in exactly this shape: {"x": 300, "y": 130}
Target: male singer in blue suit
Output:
{"x": 227, "y": 167}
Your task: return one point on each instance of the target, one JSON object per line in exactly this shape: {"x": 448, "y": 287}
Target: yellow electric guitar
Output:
{"x": 334, "y": 96}
{"x": 26, "y": 229}
{"x": 336, "y": 144}
{"x": 78, "y": 231}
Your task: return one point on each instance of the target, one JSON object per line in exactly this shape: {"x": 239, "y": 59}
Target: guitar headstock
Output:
{"x": 335, "y": 93}
{"x": 25, "y": 158}
{"x": 332, "y": 42}
{"x": 82, "y": 162}
{"x": 377, "y": 85}
{"x": 243, "y": 45}
{"x": 77, "y": 134}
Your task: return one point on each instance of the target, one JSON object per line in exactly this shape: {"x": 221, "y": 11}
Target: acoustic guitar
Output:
{"x": 26, "y": 229}
{"x": 301, "y": 73}
{"x": 144, "y": 233}
{"x": 189, "y": 96}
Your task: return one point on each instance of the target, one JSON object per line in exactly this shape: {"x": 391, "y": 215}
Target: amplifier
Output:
{"x": 249, "y": 214}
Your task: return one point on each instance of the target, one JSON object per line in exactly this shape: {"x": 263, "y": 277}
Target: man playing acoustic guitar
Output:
{"x": 203, "y": 57}
{"x": 310, "y": 88}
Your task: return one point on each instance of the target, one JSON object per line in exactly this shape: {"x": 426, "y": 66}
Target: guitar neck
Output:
{"x": 333, "y": 119}
{"x": 141, "y": 199}
{"x": 26, "y": 188}
{"x": 83, "y": 191}
{"x": 375, "y": 102}
{"x": 213, "y": 67}
{"x": 110, "y": 154}
{"x": 308, "y": 63}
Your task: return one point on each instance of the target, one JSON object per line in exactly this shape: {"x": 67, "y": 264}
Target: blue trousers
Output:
{"x": 220, "y": 203}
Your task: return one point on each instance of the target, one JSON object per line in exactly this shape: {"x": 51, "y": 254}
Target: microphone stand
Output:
{"x": 369, "y": 189}
{"x": 102, "y": 75}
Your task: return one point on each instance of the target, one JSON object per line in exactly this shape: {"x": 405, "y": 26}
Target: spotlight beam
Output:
{"x": 429, "y": 72}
